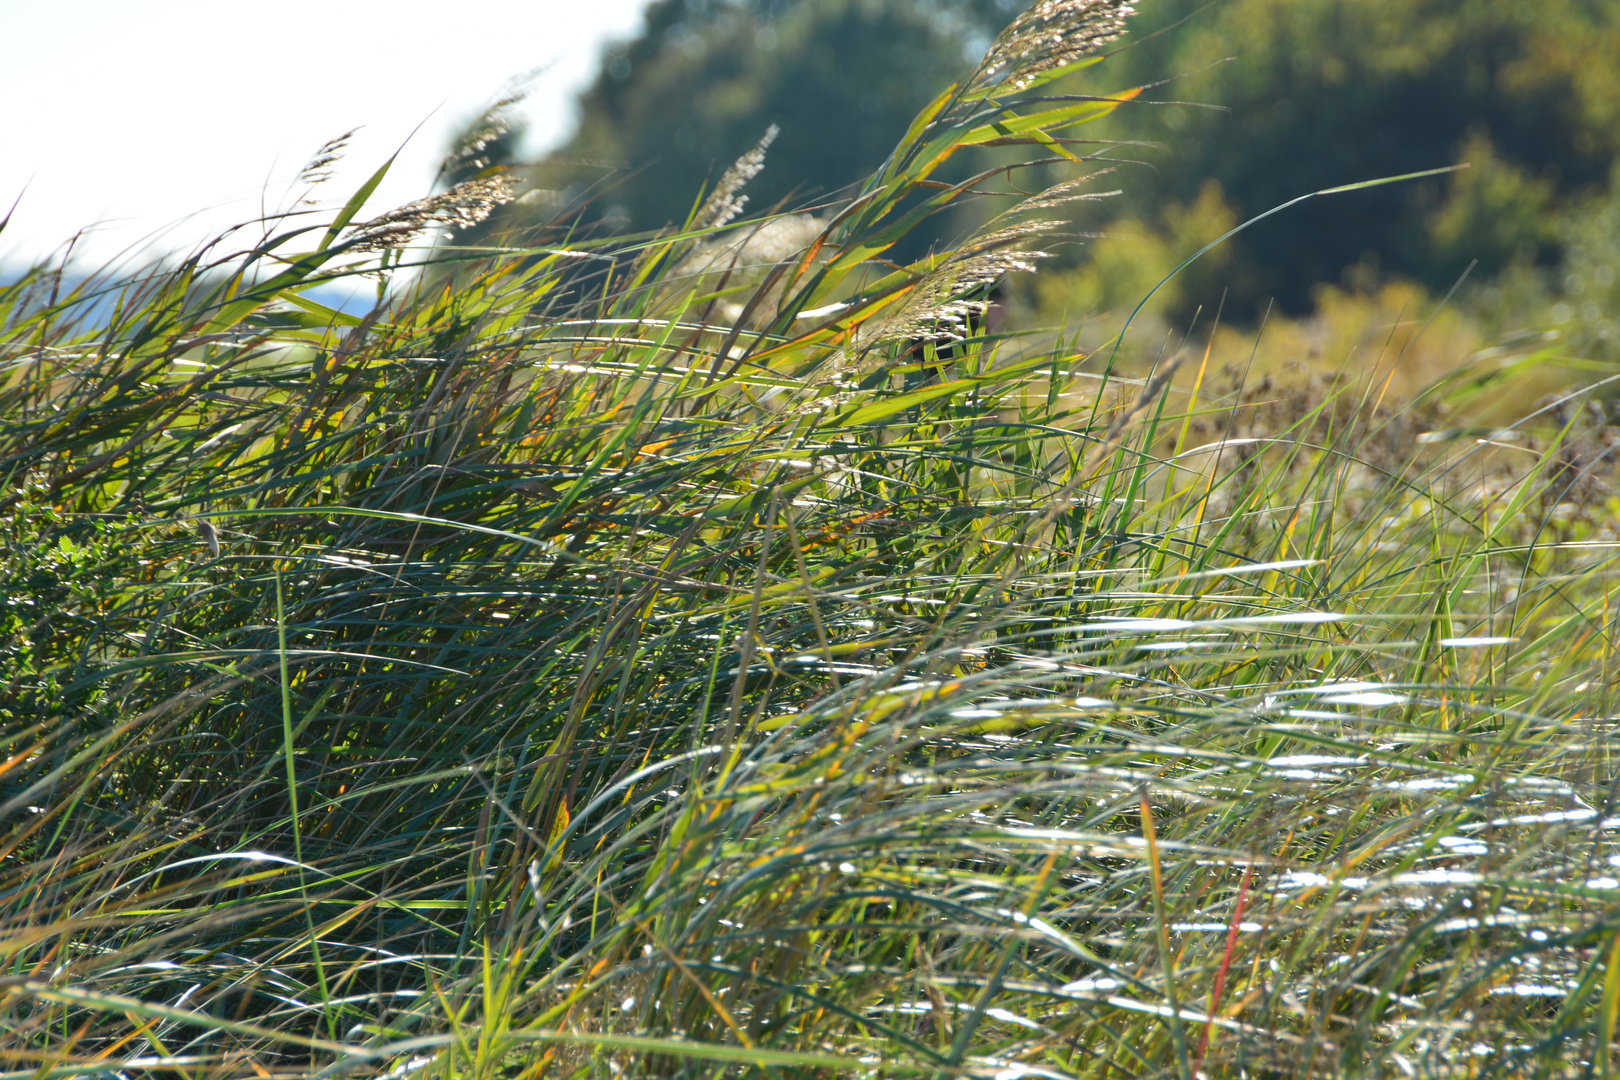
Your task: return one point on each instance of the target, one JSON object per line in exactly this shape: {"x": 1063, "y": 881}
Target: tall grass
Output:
{"x": 541, "y": 677}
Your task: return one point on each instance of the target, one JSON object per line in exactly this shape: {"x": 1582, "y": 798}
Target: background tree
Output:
{"x": 670, "y": 109}
{"x": 1323, "y": 92}
{"x": 1309, "y": 94}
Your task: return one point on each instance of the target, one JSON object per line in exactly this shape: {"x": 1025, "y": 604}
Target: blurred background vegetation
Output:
{"x": 1251, "y": 103}
{"x": 672, "y": 108}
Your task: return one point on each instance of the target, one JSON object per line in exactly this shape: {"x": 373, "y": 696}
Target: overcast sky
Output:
{"x": 148, "y": 114}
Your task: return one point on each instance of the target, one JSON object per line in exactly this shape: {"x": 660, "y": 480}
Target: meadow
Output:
{"x": 601, "y": 659}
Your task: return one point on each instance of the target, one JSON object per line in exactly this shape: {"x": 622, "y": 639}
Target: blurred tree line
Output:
{"x": 671, "y": 109}
{"x": 840, "y": 78}
{"x": 1318, "y": 93}
{"x": 1254, "y": 102}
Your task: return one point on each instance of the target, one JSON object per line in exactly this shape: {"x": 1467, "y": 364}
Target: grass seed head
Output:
{"x": 492, "y": 124}
{"x": 1050, "y": 35}
{"x": 463, "y": 206}
{"x": 724, "y": 203}
{"x": 942, "y": 304}
{"x": 319, "y": 168}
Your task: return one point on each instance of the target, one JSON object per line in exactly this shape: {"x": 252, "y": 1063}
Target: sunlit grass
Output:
{"x": 539, "y": 676}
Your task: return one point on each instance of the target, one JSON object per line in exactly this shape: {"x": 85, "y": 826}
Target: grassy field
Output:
{"x": 544, "y": 676}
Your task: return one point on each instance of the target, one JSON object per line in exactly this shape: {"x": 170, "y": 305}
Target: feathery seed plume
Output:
{"x": 724, "y": 203}
{"x": 1063, "y": 193}
{"x": 319, "y": 168}
{"x": 1052, "y": 34}
{"x": 939, "y": 309}
{"x": 461, "y": 207}
{"x": 493, "y": 123}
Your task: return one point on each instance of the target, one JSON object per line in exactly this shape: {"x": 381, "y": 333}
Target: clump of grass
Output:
{"x": 537, "y": 676}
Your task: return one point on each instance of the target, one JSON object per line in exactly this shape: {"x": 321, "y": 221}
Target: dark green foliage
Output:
{"x": 1316, "y": 93}
{"x": 673, "y": 108}
{"x": 1325, "y": 92}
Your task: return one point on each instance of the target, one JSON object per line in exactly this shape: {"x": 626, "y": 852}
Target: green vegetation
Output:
{"x": 1280, "y": 97}
{"x": 702, "y": 81}
{"x": 1326, "y": 92}
{"x": 604, "y": 660}
{"x": 840, "y": 79}
{"x": 1252, "y": 102}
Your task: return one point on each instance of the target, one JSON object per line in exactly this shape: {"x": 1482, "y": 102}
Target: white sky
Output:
{"x": 147, "y": 114}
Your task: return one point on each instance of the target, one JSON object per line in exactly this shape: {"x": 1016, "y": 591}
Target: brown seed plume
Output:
{"x": 319, "y": 169}
{"x": 1051, "y": 34}
{"x": 461, "y": 207}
